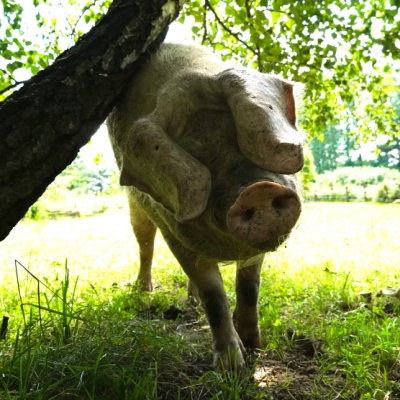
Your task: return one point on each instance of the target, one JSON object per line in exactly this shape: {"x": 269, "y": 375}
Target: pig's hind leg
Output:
{"x": 145, "y": 232}
{"x": 245, "y": 316}
{"x": 229, "y": 353}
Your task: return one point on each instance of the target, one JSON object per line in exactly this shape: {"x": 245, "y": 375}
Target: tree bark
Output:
{"x": 45, "y": 123}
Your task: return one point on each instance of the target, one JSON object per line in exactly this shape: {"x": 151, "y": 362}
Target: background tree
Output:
{"x": 389, "y": 152}
{"x": 338, "y": 147}
{"x": 308, "y": 171}
{"x": 325, "y": 149}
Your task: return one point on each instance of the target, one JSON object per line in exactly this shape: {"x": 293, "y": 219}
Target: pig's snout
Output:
{"x": 263, "y": 213}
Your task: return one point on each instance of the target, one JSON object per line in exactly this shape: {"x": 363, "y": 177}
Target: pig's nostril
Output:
{"x": 264, "y": 213}
{"x": 282, "y": 202}
{"x": 247, "y": 215}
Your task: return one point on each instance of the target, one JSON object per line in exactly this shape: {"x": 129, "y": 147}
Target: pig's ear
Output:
{"x": 264, "y": 110}
{"x": 158, "y": 166}
{"x": 290, "y": 102}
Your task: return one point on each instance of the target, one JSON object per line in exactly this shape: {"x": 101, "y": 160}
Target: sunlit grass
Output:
{"x": 362, "y": 239}
{"x": 99, "y": 249}
{"x": 310, "y": 287}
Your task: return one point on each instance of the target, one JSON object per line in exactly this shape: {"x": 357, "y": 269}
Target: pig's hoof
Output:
{"x": 253, "y": 344}
{"x": 144, "y": 285}
{"x": 251, "y": 339}
{"x": 248, "y": 332}
{"x": 230, "y": 360}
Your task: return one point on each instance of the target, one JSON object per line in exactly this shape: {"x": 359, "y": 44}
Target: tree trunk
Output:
{"x": 45, "y": 123}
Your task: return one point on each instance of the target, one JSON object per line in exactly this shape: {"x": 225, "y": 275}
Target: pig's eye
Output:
{"x": 270, "y": 107}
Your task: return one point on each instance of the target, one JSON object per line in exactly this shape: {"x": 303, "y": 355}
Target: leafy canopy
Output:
{"x": 345, "y": 52}
{"x": 33, "y": 34}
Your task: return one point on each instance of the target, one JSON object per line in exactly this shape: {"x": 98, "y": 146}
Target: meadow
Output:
{"x": 329, "y": 313}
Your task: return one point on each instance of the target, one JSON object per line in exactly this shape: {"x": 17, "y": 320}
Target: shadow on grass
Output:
{"x": 130, "y": 345}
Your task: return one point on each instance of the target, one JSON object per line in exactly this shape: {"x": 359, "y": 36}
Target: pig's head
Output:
{"x": 220, "y": 152}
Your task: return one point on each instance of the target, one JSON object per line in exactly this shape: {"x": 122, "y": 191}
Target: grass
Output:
{"x": 86, "y": 333}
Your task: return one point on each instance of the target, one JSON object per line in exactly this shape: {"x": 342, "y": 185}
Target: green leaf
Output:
{"x": 42, "y": 62}
{"x": 7, "y": 54}
{"x": 289, "y": 23}
{"x": 387, "y": 69}
{"x": 275, "y": 16}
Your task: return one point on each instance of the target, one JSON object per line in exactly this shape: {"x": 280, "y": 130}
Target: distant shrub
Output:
{"x": 344, "y": 196}
{"x": 396, "y": 193}
{"x": 36, "y": 212}
{"x": 383, "y": 193}
{"x": 361, "y": 183}
{"x": 388, "y": 194}
{"x": 360, "y": 176}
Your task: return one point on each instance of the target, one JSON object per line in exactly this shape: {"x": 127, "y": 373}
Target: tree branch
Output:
{"x": 73, "y": 28}
{"x": 205, "y": 33}
{"x": 45, "y": 123}
{"x": 235, "y": 35}
{"x": 17, "y": 83}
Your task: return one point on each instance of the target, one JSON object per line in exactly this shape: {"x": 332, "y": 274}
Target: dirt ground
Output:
{"x": 295, "y": 373}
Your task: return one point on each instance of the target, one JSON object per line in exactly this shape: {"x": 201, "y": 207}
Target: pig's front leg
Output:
{"x": 229, "y": 353}
{"x": 245, "y": 315}
{"x": 145, "y": 232}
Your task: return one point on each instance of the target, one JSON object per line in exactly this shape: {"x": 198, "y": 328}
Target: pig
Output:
{"x": 209, "y": 155}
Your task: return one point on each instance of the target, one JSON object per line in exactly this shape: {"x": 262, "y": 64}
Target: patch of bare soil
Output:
{"x": 293, "y": 373}
{"x": 296, "y": 374}
{"x": 300, "y": 370}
